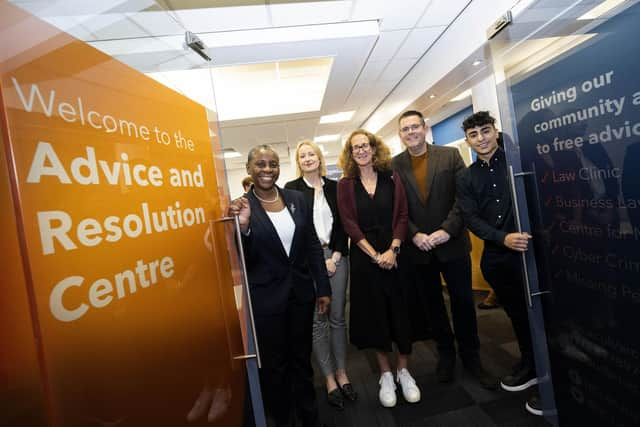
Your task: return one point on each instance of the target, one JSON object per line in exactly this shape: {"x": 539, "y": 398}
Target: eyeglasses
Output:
{"x": 410, "y": 128}
{"x": 361, "y": 147}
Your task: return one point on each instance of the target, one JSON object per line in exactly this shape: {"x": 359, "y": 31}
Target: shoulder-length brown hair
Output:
{"x": 323, "y": 164}
{"x": 381, "y": 156}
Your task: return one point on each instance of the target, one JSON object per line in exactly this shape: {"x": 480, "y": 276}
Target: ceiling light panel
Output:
{"x": 269, "y": 89}
{"x": 326, "y": 138}
{"x": 285, "y": 14}
{"x": 601, "y": 9}
{"x": 461, "y": 96}
{"x": 337, "y": 117}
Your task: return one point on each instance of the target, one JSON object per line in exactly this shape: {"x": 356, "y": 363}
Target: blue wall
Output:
{"x": 449, "y": 129}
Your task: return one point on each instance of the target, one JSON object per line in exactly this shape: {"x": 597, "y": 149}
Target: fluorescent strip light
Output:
{"x": 476, "y": 62}
{"x": 231, "y": 154}
{"x": 600, "y": 10}
{"x": 338, "y": 117}
{"x": 461, "y": 96}
{"x": 326, "y": 138}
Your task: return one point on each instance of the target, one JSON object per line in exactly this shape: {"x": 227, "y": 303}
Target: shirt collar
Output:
{"x": 497, "y": 157}
{"x": 311, "y": 185}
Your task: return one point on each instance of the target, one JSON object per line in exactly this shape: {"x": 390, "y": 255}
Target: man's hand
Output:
{"x": 439, "y": 237}
{"x": 517, "y": 241}
{"x": 422, "y": 242}
{"x": 240, "y": 207}
{"x": 323, "y": 304}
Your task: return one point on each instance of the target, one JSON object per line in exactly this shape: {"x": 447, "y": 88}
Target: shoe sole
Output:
{"x": 533, "y": 410}
{"x": 520, "y": 387}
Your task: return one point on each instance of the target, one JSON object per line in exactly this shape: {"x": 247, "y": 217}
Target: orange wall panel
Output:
{"x": 117, "y": 186}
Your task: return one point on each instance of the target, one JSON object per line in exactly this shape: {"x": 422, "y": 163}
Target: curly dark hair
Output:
{"x": 381, "y": 155}
{"x": 480, "y": 118}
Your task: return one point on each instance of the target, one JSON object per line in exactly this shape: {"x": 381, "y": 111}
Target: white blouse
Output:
{"x": 322, "y": 216}
{"x": 285, "y": 227}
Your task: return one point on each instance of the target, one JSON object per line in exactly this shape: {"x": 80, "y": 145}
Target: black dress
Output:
{"x": 378, "y": 313}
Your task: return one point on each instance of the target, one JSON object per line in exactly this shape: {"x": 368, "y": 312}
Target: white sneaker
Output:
{"x": 387, "y": 393}
{"x": 410, "y": 390}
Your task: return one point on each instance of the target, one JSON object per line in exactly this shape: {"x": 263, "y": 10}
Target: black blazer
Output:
{"x": 273, "y": 276}
{"x": 441, "y": 209}
{"x": 338, "y": 241}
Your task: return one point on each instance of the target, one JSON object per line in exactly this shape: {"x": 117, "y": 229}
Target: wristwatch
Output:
{"x": 395, "y": 249}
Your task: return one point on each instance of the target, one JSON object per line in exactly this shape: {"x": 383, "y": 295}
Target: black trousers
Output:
{"x": 457, "y": 275}
{"x": 503, "y": 271}
{"x": 286, "y": 376}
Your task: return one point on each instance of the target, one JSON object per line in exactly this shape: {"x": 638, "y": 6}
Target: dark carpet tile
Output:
{"x": 509, "y": 411}
{"x": 471, "y": 416}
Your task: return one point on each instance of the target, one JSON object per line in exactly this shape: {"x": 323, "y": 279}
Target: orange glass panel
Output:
{"x": 117, "y": 187}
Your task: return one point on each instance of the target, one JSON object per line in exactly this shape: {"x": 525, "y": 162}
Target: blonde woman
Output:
{"x": 373, "y": 208}
{"x": 329, "y": 329}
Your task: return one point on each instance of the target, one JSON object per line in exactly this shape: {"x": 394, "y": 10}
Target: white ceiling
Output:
{"x": 377, "y": 75}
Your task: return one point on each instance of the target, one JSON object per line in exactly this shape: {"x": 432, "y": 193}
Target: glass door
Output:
{"x": 569, "y": 93}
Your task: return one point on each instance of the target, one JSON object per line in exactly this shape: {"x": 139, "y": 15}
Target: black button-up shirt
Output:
{"x": 485, "y": 200}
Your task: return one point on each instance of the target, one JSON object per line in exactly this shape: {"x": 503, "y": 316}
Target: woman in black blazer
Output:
{"x": 330, "y": 329}
{"x": 283, "y": 260}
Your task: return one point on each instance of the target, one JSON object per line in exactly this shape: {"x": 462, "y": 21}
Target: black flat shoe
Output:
{"x": 348, "y": 392}
{"x": 335, "y": 399}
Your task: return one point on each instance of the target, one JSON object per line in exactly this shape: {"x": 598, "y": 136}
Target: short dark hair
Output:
{"x": 264, "y": 147}
{"x": 411, "y": 113}
{"x": 480, "y": 118}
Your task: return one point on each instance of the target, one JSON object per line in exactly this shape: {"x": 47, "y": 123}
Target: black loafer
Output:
{"x": 348, "y": 392}
{"x": 335, "y": 399}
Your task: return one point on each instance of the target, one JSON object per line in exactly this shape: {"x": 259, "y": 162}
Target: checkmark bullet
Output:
{"x": 548, "y": 201}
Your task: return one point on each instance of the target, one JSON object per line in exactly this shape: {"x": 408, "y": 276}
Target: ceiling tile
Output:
{"x": 372, "y": 71}
{"x": 396, "y": 69}
{"x": 224, "y": 18}
{"x": 442, "y": 12}
{"x": 402, "y": 14}
{"x": 288, "y": 14}
{"x": 156, "y": 23}
{"x": 418, "y": 41}
{"x": 113, "y": 26}
{"x": 387, "y": 44}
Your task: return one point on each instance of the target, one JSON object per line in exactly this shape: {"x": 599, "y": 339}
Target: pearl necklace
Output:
{"x": 275, "y": 199}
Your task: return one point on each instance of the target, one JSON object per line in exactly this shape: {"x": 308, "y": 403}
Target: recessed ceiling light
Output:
{"x": 600, "y": 9}
{"x": 461, "y": 96}
{"x": 476, "y": 62}
{"x": 230, "y": 153}
{"x": 326, "y": 138}
{"x": 338, "y": 117}
{"x": 432, "y": 96}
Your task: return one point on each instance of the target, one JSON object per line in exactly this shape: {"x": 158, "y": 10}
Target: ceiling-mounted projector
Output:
{"x": 195, "y": 44}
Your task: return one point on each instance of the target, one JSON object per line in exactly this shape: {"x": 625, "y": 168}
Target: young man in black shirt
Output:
{"x": 485, "y": 200}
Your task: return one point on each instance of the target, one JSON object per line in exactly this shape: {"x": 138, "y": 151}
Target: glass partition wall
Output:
{"x": 566, "y": 74}
{"x": 125, "y": 299}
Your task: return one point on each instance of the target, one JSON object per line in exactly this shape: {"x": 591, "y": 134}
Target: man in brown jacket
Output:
{"x": 438, "y": 243}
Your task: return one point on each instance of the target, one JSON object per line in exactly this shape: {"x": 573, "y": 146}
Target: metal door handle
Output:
{"x": 247, "y": 291}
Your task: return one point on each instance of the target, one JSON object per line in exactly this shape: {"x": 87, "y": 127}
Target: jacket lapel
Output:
{"x": 263, "y": 219}
{"x": 296, "y": 214}
{"x": 408, "y": 175}
{"x": 432, "y": 161}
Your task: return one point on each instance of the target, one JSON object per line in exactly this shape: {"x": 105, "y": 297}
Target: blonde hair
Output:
{"x": 381, "y": 156}
{"x": 323, "y": 164}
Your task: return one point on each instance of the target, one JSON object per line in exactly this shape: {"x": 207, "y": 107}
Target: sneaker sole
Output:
{"x": 520, "y": 387}
{"x": 532, "y": 410}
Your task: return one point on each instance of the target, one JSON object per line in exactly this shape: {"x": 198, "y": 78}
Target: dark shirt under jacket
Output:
{"x": 485, "y": 200}
{"x": 338, "y": 240}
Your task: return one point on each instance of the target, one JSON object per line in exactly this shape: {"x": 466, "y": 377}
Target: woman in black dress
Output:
{"x": 373, "y": 208}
